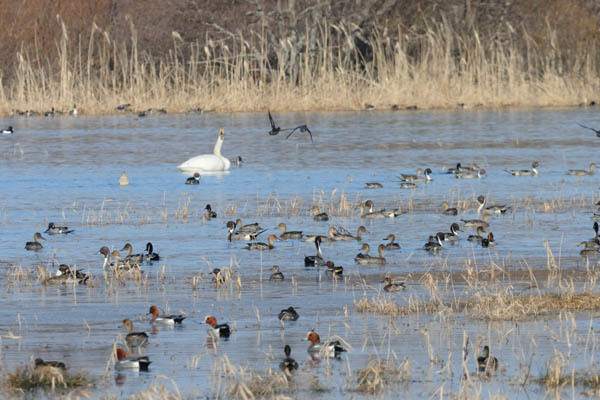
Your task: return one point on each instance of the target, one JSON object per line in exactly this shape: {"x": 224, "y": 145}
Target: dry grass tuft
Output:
{"x": 380, "y": 374}
{"x": 28, "y": 379}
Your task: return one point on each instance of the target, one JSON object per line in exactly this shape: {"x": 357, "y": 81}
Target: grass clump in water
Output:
{"x": 380, "y": 374}
{"x": 29, "y": 379}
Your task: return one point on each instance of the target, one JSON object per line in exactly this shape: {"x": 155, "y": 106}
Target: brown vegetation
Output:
{"x": 293, "y": 55}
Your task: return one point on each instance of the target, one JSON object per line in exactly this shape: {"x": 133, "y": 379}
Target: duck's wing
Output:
{"x": 597, "y": 131}
{"x": 273, "y": 127}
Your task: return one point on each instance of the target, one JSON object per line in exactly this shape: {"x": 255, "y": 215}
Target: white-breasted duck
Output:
{"x": 123, "y": 362}
{"x": 285, "y": 234}
{"x": 57, "y": 230}
{"x": 495, "y": 209}
{"x": 193, "y": 180}
{"x": 411, "y": 177}
{"x": 452, "y": 236}
{"x": 263, "y": 246}
{"x": 330, "y": 237}
{"x": 311, "y": 261}
{"x": 368, "y": 211}
{"x": 222, "y": 330}
{"x": 330, "y": 349}
{"x": 525, "y": 172}
{"x": 240, "y": 235}
{"x": 347, "y": 237}
{"x": 35, "y": 245}
{"x": 170, "y": 319}
{"x": 8, "y": 131}
{"x": 150, "y": 255}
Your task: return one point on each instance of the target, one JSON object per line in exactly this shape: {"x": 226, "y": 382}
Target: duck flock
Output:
{"x": 129, "y": 265}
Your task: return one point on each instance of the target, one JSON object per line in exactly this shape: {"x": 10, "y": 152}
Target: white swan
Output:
{"x": 208, "y": 162}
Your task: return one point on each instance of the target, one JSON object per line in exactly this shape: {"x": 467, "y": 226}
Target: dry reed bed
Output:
{"x": 450, "y": 67}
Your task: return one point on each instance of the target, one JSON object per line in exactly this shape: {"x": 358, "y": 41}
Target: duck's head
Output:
{"x": 128, "y": 324}
{"x": 313, "y": 337}
{"x": 121, "y": 354}
{"x": 210, "y": 320}
{"x": 221, "y": 134}
{"x": 104, "y": 251}
{"x": 154, "y": 311}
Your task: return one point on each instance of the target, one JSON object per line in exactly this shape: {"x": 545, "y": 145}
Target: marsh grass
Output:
{"x": 28, "y": 379}
{"x": 380, "y": 375}
{"x": 452, "y": 66}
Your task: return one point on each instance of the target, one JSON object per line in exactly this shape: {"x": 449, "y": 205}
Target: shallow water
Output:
{"x": 66, "y": 170}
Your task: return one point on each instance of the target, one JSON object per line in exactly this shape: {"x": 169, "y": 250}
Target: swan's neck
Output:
{"x": 217, "y": 150}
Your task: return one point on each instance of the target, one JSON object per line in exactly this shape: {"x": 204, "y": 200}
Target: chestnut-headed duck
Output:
{"x": 221, "y": 330}
{"x": 164, "y": 319}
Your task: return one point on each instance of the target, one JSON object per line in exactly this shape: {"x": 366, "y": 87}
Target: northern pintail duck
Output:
{"x": 74, "y": 111}
{"x": 238, "y": 161}
{"x": 478, "y": 237}
{"x": 123, "y": 362}
{"x": 240, "y": 235}
{"x": 55, "y": 230}
{"x": 448, "y": 210}
{"x": 8, "y": 131}
{"x": 496, "y": 209}
{"x": 209, "y": 214}
{"x": 289, "y": 314}
{"x": 596, "y": 131}
{"x": 302, "y": 129}
{"x": 391, "y": 286}
{"x": 276, "y": 274}
{"x": 132, "y": 258}
{"x": 452, "y": 236}
{"x": 254, "y": 227}
{"x": 35, "y": 245}
{"x": 383, "y": 213}
{"x": 193, "y": 180}
{"x": 411, "y": 177}
{"x": 487, "y": 363}
{"x": 285, "y": 234}
{"x": 150, "y": 255}
{"x": 583, "y": 172}
{"x": 330, "y": 348}
{"x": 274, "y": 128}
{"x": 333, "y": 270}
{"x": 221, "y": 330}
{"x": 392, "y": 245}
{"x": 470, "y": 175}
{"x": 474, "y": 223}
{"x": 214, "y": 162}
{"x": 262, "y": 246}
{"x": 488, "y": 241}
{"x": 123, "y": 266}
{"x": 123, "y": 180}
{"x": 435, "y": 243}
{"x": 317, "y": 215}
{"x": 525, "y": 172}
{"x": 346, "y": 237}
{"x": 288, "y": 364}
{"x": 373, "y": 185}
{"x": 311, "y": 261}
{"x": 65, "y": 275}
{"x": 461, "y": 169}
{"x": 365, "y": 258}
{"x": 132, "y": 338}
{"x": 39, "y": 363}
{"x": 170, "y": 319}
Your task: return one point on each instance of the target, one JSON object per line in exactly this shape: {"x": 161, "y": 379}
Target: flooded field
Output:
{"x": 532, "y": 297}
